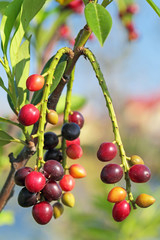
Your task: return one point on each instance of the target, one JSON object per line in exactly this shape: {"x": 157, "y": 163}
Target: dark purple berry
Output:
{"x": 54, "y": 154}
{"x": 111, "y": 173}
{"x": 52, "y": 191}
{"x": 26, "y": 198}
{"x": 50, "y": 140}
{"x": 54, "y": 169}
{"x": 70, "y": 131}
{"x": 21, "y": 174}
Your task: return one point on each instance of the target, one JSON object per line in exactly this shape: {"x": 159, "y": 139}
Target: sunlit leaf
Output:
{"x": 10, "y": 14}
{"x": 99, "y": 20}
{"x": 22, "y": 71}
{"x": 29, "y": 9}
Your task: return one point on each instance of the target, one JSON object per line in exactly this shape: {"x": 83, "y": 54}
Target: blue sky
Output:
{"x": 131, "y": 68}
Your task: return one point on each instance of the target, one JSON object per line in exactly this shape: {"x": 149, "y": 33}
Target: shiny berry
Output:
{"x": 54, "y": 169}
{"x": 54, "y": 154}
{"x": 139, "y": 173}
{"x": 35, "y": 181}
{"x": 52, "y": 191}
{"x": 74, "y": 151}
{"x": 117, "y": 194}
{"x": 42, "y": 212}
{"x": 26, "y": 198}
{"x": 28, "y": 115}
{"x": 21, "y": 174}
{"x": 107, "y": 151}
{"x": 67, "y": 183}
{"x": 58, "y": 209}
{"x": 75, "y": 141}
{"x": 50, "y": 140}
{"x": 77, "y": 171}
{"x": 77, "y": 118}
{"x": 136, "y": 160}
{"x": 70, "y": 131}
{"x": 68, "y": 199}
{"x": 111, "y": 173}
{"x": 144, "y": 200}
{"x": 121, "y": 210}
{"x": 35, "y": 82}
{"x": 52, "y": 117}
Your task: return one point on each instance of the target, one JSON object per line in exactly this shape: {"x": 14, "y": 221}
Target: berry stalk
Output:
{"x": 43, "y": 108}
{"x": 66, "y": 114}
{"x": 113, "y": 118}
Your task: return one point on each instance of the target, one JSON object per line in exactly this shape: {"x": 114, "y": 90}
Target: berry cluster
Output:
{"x": 50, "y": 182}
{"x": 113, "y": 173}
{"x": 126, "y": 15}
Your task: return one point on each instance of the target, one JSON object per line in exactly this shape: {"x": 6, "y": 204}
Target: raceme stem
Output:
{"x": 43, "y": 108}
{"x": 112, "y": 115}
{"x": 66, "y": 114}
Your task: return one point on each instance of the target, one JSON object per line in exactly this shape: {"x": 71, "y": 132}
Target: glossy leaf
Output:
{"x": 29, "y": 9}
{"x": 57, "y": 77}
{"x": 8, "y": 20}
{"x": 5, "y": 138}
{"x": 77, "y": 102}
{"x": 22, "y": 71}
{"x": 99, "y": 20}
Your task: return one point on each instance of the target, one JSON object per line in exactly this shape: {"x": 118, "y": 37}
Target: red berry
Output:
{"x": 139, "y": 173}
{"x": 35, "y": 82}
{"x": 121, "y": 210}
{"x": 74, "y": 151}
{"x": 67, "y": 183}
{"x": 42, "y": 212}
{"x": 76, "y": 141}
{"x": 133, "y": 35}
{"x": 111, "y": 173}
{"x": 76, "y": 5}
{"x": 28, "y": 115}
{"x": 132, "y": 8}
{"x": 64, "y": 31}
{"x": 107, "y": 151}
{"x": 77, "y": 118}
{"x": 130, "y": 27}
{"x": 35, "y": 181}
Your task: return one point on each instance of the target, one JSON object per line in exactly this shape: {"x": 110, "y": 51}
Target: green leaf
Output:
{"x": 29, "y": 9}
{"x": 2, "y": 85}
{"x": 99, "y": 20}
{"x": 5, "y": 138}
{"x": 59, "y": 71}
{"x": 10, "y": 14}
{"x": 11, "y": 103}
{"x": 77, "y": 102}
{"x": 3, "y": 5}
{"x": 22, "y": 71}
{"x": 6, "y": 218}
{"x": 154, "y": 6}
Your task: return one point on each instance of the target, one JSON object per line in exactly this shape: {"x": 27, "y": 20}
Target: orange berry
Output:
{"x": 52, "y": 117}
{"x": 144, "y": 200}
{"x": 77, "y": 171}
{"x": 117, "y": 194}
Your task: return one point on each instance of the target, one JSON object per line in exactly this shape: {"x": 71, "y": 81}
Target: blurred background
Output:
{"x": 131, "y": 70}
